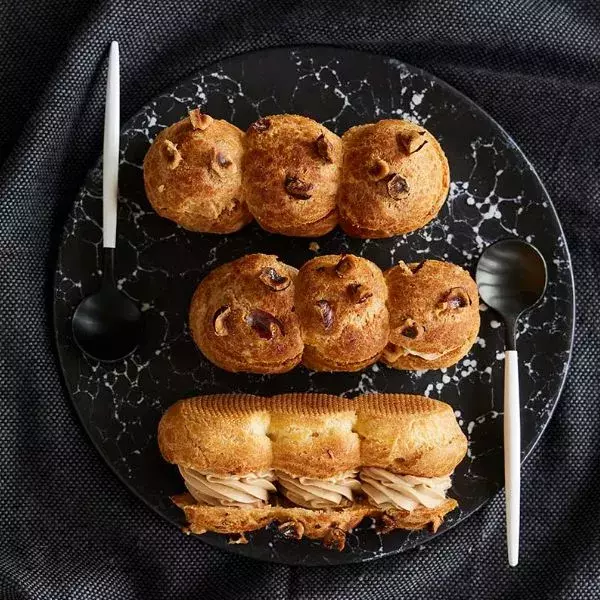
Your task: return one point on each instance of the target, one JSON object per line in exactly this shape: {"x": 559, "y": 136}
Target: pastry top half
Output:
{"x": 242, "y": 316}
{"x": 193, "y": 174}
{"x": 341, "y": 305}
{"x": 395, "y": 178}
{"x": 434, "y": 314}
{"x": 291, "y": 172}
{"x": 313, "y": 435}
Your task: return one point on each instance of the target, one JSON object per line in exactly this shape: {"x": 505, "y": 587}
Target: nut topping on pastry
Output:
{"x": 344, "y": 265}
{"x": 335, "y": 539}
{"x": 199, "y": 120}
{"x": 412, "y": 330}
{"x": 379, "y": 169}
{"x": 297, "y": 188}
{"x": 292, "y": 530}
{"x": 219, "y": 320}
{"x": 415, "y": 268}
{"x": 397, "y": 187}
{"x": 358, "y": 293}
{"x": 221, "y": 163}
{"x": 265, "y": 324}
{"x": 392, "y": 352}
{"x": 326, "y": 313}
{"x": 273, "y": 280}
{"x": 411, "y": 141}
{"x": 456, "y": 298}
{"x": 173, "y": 155}
{"x": 324, "y": 148}
{"x": 261, "y": 125}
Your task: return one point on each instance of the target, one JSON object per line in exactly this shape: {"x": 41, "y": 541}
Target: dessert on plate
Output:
{"x": 242, "y": 316}
{"x": 434, "y": 315}
{"x": 192, "y": 174}
{"x": 395, "y": 179}
{"x": 290, "y": 175}
{"x": 315, "y": 464}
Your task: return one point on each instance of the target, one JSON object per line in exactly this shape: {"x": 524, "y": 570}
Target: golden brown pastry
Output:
{"x": 395, "y": 178}
{"x": 242, "y": 316}
{"x": 192, "y": 174}
{"x": 434, "y": 315}
{"x": 316, "y": 464}
{"x": 291, "y": 172}
{"x": 341, "y": 304}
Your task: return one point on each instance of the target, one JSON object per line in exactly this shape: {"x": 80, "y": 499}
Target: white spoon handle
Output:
{"x": 512, "y": 454}
{"x": 110, "y": 161}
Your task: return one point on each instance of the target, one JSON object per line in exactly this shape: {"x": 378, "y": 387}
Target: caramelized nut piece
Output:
{"x": 416, "y": 268}
{"x": 324, "y": 148}
{"x": 219, "y": 320}
{"x": 397, "y": 187}
{"x": 259, "y": 126}
{"x": 358, "y": 293}
{"x": 412, "y": 330}
{"x": 326, "y": 313}
{"x": 273, "y": 280}
{"x": 392, "y": 353}
{"x": 293, "y": 530}
{"x": 297, "y": 188}
{"x": 378, "y": 169}
{"x": 411, "y": 141}
{"x": 335, "y": 539}
{"x": 456, "y": 298}
{"x": 173, "y": 155}
{"x": 265, "y": 324}
{"x": 221, "y": 164}
{"x": 200, "y": 121}
{"x": 385, "y": 524}
{"x": 344, "y": 265}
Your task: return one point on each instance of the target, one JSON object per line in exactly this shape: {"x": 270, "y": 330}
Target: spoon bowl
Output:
{"x": 107, "y": 325}
{"x": 511, "y": 276}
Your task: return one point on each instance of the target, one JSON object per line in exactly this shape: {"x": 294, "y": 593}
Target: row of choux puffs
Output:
{"x": 318, "y": 464}
{"x": 295, "y": 177}
{"x": 337, "y": 313}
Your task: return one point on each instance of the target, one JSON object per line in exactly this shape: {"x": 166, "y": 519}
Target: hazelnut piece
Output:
{"x": 264, "y": 324}
{"x": 412, "y": 330}
{"x": 457, "y": 297}
{"x": 378, "y": 169}
{"x": 335, "y": 539}
{"x": 392, "y": 353}
{"x": 411, "y": 141}
{"x": 297, "y": 188}
{"x": 273, "y": 280}
{"x": 220, "y": 320}
{"x": 326, "y": 313}
{"x": 200, "y": 121}
{"x": 173, "y": 155}
{"x": 358, "y": 293}
{"x": 261, "y": 125}
{"x": 344, "y": 266}
{"x": 397, "y": 187}
{"x": 324, "y": 148}
{"x": 293, "y": 530}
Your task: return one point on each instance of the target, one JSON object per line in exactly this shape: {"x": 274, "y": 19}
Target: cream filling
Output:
{"x": 319, "y": 493}
{"x": 425, "y": 355}
{"x": 389, "y": 490}
{"x": 251, "y": 490}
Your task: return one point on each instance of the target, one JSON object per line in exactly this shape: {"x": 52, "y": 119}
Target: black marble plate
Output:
{"x": 494, "y": 194}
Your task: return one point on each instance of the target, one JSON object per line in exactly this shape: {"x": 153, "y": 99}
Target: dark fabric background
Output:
{"x": 68, "y": 529}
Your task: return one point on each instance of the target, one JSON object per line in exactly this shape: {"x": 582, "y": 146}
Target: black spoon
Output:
{"x": 107, "y": 325}
{"x": 512, "y": 277}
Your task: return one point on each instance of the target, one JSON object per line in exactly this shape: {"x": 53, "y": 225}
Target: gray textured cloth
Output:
{"x": 68, "y": 529}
